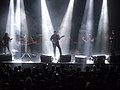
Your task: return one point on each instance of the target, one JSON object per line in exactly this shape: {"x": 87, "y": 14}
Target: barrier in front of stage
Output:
{"x": 4, "y": 57}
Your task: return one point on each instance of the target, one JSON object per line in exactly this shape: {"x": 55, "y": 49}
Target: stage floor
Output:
{"x": 39, "y": 61}
{"x": 36, "y": 59}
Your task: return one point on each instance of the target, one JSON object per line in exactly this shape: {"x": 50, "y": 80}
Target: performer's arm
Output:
{"x": 51, "y": 38}
{"x": 10, "y": 39}
{"x": 59, "y": 37}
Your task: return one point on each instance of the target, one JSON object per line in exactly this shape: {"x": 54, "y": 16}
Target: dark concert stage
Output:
{"x": 88, "y": 26}
{"x": 59, "y": 44}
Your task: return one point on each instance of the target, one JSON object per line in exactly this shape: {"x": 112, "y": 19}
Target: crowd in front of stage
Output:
{"x": 44, "y": 77}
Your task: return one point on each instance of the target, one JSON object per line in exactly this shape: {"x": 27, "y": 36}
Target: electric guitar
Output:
{"x": 4, "y": 43}
{"x": 61, "y": 37}
{"x": 55, "y": 42}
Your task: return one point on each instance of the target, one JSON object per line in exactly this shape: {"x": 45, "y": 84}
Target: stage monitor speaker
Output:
{"x": 45, "y": 58}
{"x": 115, "y": 59}
{"x": 80, "y": 59}
{"x": 4, "y": 57}
{"x": 65, "y": 58}
{"x": 99, "y": 59}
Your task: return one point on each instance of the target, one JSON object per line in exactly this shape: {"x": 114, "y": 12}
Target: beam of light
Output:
{"x": 89, "y": 28}
{"x": 85, "y": 32}
{"x": 90, "y": 17}
{"x": 102, "y": 35}
{"x": 47, "y": 29}
{"x": 65, "y": 28}
{"x": 10, "y": 24}
{"x": 24, "y": 27}
{"x": 17, "y": 26}
{"x": 17, "y": 17}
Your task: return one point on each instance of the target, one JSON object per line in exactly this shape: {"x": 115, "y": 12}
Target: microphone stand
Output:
{"x": 26, "y": 47}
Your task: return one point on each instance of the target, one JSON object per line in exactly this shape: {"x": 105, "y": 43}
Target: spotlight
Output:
{"x": 86, "y": 43}
{"x": 65, "y": 28}
{"x": 102, "y": 35}
{"x": 47, "y": 29}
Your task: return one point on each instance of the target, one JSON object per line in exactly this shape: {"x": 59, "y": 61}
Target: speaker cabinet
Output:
{"x": 4, "y": 57}
{"x": 45, "y": 58}
{"x": 99, "y": 59}
{"x": 80, "y": 59}
{"x": 65, "y": 58}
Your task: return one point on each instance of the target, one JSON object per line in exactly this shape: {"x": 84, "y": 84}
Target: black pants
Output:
{"x": 6, "y": 47}
{"x": 54, "y": 49}
{"x": 112, "y": 49}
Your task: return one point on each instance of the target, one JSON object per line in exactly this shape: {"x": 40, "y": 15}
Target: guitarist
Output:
{"x": 55, "y": 41}
{"x": 5, "y": 40}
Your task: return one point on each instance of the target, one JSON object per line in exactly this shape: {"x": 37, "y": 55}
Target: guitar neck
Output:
{"x": 61, "y": 37}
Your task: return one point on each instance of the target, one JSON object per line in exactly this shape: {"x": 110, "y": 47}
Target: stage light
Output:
{"x": 10, "y": 24}
{"x": 18, "y": 18}
{"x": 24, "y": 27}
{"x": 85, "y": 38}
{"x": 65, "y": 28}
{"x": 102, "y": 35}
{"x": 17, "y": 27}
{"x": 47, "y": 30}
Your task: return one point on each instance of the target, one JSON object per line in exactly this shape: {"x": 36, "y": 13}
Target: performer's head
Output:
{"x": 55, "y": 32}
{"x": 6, "y": 34}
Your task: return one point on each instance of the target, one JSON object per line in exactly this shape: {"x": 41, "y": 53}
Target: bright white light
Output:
{"x": 18, "y": 17}
{"x": 10, "y": 24}
{"x": 24, "y": 27}
{"x": 89, "y": 62}
{"x": 29, "y": 62}
{"x": 102, "y": 35}
{"x": 86, "y": 30}
{"x": 16, "y": 22}
{"x": 89, "y": 28}
{"x": 90, "y": 17}
{"x": 10, "y": 20}
{"x": 17, "y": 61}
{"x": 47, "y": 30}
{"x": 17, "y": 25}
{"x": 65, "y": 28}
{"x": 80, "y": 56}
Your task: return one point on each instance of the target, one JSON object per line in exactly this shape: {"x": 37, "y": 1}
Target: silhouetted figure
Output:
{"x": 5, "y": 40}
{"x": 1, "y": 46}
{"x": 55, "y": 41}
{"x": 112, "y": 42}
